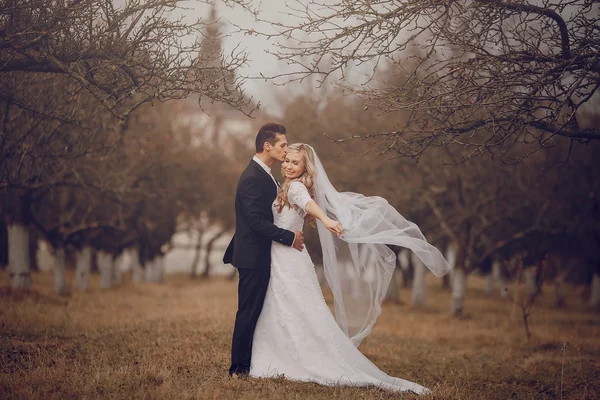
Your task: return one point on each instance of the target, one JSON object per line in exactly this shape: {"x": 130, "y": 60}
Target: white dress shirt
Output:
{"x": 266, "y": 168}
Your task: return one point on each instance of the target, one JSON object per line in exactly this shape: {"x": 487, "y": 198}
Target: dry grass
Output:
{"x": 172, "y": 341}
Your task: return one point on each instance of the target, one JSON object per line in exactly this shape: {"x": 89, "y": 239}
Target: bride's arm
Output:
{"x": 332, "y": 225}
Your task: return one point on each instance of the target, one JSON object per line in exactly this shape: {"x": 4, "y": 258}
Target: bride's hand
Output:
{"x": 333, "y": 226}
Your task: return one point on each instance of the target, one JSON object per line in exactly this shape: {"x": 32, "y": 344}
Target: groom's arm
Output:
{"x": 248, "y": 191}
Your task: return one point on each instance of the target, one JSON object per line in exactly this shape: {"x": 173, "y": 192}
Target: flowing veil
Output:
{"x": 358, "y": 265}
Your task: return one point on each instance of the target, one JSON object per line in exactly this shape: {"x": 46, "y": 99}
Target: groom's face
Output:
{"x": 279, "y": 149}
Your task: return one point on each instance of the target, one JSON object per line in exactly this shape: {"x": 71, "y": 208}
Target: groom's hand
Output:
{"x": 298, "y": 240}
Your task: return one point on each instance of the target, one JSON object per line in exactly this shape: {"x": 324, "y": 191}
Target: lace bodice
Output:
{"x": 292, "y": 218}
{"x": 288, "y": 218}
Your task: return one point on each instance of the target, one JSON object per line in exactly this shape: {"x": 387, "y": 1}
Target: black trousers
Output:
{"x": 252, "y": 289}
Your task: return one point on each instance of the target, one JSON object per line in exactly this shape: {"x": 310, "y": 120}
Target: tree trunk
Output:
{"x": 117, "y": 270}
{"x": 196, "y": 260}
{"x": 83, "y": 268}
{"x": 95, "y": 261}
{"x": 160, "y": 269}
{"x": 419, "y": 289}
{"x": 497, "y": 276}
{"x": 19, "y": 267}
{"x": 149, "y": 271}
{"x": 559, "y": 291}
{"x": 459, "y": 286}
{"x": 489, "y": 284}
{"x": 451, "y": 258}
{"x": 33, "y": 248}
{"x": 406, "y": 278}
{"x": 3, "y": 243}
{"x": 458, "y": 282}
{"x": 60, "y": 269}
{"x": 105, "y": 265}
{"x": 137, "y": 271}
{"x": 392, "y": 293}
{"x": 209, "y": 245}
{"x": 154, "y": 270}
{"x": 530, "y": 283}
{"x": 403, "y": 259}
{"x": 595, "y": 294}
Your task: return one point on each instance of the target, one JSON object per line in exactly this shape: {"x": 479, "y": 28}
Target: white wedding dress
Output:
{"x": 296, "y": 335}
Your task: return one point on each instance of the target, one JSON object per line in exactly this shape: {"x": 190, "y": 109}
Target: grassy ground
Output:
{"x": 172, "y": 341}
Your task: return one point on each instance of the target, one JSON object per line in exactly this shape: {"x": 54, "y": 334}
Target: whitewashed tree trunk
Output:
{"x": 83, "y": 268}
{"x": 530, "y": 284}
{"x": 19, "y": 266}
{"x": 117, "y": 269}
{"x": 105, "y": 265}
{"x": 392, "y": 293}
{"x": 419, "y": 289}
{"x": 497, "y": 276}
{"x": 160, "y": 269}
{"x": 137, "y": 271}
{"x": 150, "y": 271}
{"x": 451, "y": 258}
{"x": 489, "y": 284}
{"x": 459, "y": 286}
{"x": 60, "y": 270}
{"x": 595, "y": 295}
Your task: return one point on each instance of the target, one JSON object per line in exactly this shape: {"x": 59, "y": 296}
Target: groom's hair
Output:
{"x": 268, "y": 133}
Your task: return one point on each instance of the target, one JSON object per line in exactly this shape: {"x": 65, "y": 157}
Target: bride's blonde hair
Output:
{"x": 307, "y": 177}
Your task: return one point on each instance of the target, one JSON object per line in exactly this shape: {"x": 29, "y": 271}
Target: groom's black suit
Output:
{"x": 250, "y": 252}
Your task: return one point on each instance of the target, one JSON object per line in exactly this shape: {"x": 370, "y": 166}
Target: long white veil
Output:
{"x": 358, "y": 265}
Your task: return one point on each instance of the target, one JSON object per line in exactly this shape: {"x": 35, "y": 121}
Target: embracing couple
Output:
{"x": 283, "y": 326}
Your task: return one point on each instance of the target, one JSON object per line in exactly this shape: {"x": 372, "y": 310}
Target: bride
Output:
{"x": 296, "y": 335}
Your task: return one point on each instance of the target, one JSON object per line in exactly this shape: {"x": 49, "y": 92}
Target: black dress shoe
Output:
{"x": 239, "y": 370}
{"x": 240, "y": 375}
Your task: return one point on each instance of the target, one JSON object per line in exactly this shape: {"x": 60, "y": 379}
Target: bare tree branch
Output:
{"x": 490, "y": 76}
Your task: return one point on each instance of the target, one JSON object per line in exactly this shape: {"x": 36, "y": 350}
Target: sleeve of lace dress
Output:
{"x": 298, "y": 195}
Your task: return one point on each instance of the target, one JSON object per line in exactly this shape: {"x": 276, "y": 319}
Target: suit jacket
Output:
{"x": 254, "y": 230}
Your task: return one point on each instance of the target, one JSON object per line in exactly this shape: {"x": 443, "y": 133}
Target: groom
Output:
{"x": 250, "y": 248}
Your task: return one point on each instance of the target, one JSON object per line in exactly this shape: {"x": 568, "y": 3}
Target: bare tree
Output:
{"x": 484, "y": 209}
{"x": 111, "y": 52}
{"x": 71, "y": 74}
{"x": 484, "y": 74}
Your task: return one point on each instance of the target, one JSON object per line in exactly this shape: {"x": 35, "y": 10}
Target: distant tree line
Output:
{"x": 92, "y": 155}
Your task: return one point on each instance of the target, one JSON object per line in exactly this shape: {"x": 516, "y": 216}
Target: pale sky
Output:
{"x": 255, "y": 46}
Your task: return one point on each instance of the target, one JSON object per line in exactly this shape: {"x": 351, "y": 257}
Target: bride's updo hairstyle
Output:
{"x": 307, "y": 177}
